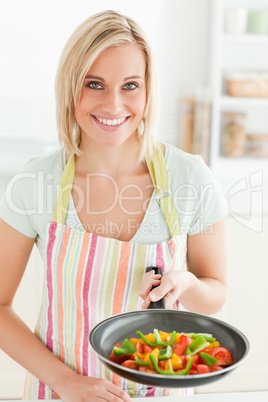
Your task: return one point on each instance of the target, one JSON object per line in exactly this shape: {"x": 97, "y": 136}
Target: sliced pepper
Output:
{"x": 165, "y": 354}
{"x": 180, "y": 348}
{"x": 171, "y": 372}
{"x": 208, "y": 337}
{"x": 198, "y": 344}
{"x": 164, "y": 335}
{"x": 127, "y": 348}
{"x": 175, "y": 363}
{"x": 134, "y": 341}
{"x": 141, "y": 362}
{"x": 208, "y": 359}
{"x": 157, "y": 339}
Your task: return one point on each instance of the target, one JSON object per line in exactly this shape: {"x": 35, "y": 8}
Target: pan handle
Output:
{"x": 160, "y": 303}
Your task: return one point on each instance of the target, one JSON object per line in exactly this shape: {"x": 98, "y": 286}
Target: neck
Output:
{"x": 116, "y": 161}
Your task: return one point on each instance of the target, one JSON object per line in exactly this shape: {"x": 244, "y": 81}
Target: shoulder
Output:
{"x": 28, "y": 201}
{"x": 186, "y": 167}
{"x": 35, "y": 175}
{"x": 189, "y": 172}
{"x": 50, "y": 163}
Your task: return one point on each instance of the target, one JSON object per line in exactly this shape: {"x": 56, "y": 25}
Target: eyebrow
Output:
{"x": 103, "y": 80}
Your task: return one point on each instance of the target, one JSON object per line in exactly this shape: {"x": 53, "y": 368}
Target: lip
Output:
{"x": 107, "y": 128}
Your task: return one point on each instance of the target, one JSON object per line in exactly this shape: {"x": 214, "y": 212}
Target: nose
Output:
{"x": 112, "y": 103}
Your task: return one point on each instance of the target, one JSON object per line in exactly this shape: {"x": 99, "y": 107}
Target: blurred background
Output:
{"x": 212, "y": 58}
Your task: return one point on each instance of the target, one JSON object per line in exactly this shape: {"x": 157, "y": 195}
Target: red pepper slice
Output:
{"x": 139, "y": 347}
{"x": 118, "y": 359}
{"x": 180, "y": 347}
{"x": 147, "y": 349}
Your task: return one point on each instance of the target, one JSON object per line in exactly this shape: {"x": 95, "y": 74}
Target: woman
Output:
{"x": 124, "y": 203}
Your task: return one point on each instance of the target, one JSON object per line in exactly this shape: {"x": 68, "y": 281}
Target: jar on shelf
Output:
{"x": 236, "y": 19}
{"x": 233, "y": 136}
{"x": 258, "y": 22}
{"x": 187, "y": 124}
{"x": 257, "y": 145}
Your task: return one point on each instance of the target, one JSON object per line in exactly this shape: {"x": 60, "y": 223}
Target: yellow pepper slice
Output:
{"x": 155, "y": 353}
{"x": 134, "y": 341}
{"x": 164, "y": 335}
{"x": 149, "y": 337}
{"x": 175, "y": 362}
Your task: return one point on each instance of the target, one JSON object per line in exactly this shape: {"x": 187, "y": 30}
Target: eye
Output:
{"x": 94, "y": 85}
{"x": 131, "y": 85}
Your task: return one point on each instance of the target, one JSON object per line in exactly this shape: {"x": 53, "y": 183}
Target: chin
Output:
{"x": 113, "y": 140}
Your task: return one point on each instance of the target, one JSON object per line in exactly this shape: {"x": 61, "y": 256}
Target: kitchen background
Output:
{"x": 213, "y": 70}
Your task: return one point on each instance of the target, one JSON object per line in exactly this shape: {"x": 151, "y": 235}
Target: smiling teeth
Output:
{"x": 109, "y": 122}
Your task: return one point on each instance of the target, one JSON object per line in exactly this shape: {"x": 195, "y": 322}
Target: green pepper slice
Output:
{"x": 208, "y": 337}
{"x": 157, "y": 339}
{"x": 198, "y": 344}
{"x": 165, "y": 354}
{"x": 208, "y": 359}
{"x": 171, "y": 372}
{"x": 127, "y": 348}
{"x": 141, "y": 362}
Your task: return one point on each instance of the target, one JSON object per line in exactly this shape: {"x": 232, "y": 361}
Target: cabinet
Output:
{"x": 237, "y": 52}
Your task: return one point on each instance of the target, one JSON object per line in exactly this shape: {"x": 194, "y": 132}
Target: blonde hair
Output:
{"x": 96, "y": 34}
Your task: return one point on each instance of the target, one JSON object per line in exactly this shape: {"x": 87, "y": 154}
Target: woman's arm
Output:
{"x": 17, "y": 340}
{"x": 203, "y": 287}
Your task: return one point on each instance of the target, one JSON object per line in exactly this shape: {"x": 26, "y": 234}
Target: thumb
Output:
{"x": 166, "y": 286}
{"x": 157, "y": 294}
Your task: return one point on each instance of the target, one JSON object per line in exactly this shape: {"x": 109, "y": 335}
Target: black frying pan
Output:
{"x": 118, "y": 327}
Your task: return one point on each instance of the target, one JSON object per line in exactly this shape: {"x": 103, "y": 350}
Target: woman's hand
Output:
{"x": 203, "y": 287}
{"x": 149, "y": 280}
{"x": 170, "y": 287}
{"x": 79, "y": 388}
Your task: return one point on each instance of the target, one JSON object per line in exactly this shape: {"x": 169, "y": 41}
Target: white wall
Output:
{"x": 33, "y": 35}
{"x": 183, "y": 56}
{"x": 247, "y": 304}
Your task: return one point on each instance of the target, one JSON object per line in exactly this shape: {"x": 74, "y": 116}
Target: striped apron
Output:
{"x": 88, "y": 278}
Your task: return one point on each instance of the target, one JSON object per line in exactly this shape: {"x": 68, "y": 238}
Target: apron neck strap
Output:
{"x": 158, "y": 172}
{"x": 64, "y": 191}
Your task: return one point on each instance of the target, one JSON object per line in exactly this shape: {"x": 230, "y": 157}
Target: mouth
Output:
{"x": 109, "y": 124}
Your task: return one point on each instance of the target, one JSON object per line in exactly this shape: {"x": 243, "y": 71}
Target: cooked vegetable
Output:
{"x": 198, "y": 344}
{"x": 223, "y": 356}
{"x": 171, "y": 371}
{"x": 165, "y": 354}
{"x": 157, "y": 339}
{"x": 208, "y": 359}
{"x": 141, "y": 362}
{"x": 127, "y": 348}
{"x": 172, "y": 353}
{"x": 208, "y": 337}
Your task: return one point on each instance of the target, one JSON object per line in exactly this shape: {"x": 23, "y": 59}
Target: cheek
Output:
{"x": 140, "y": 104}
{"x": 82, "y": 107}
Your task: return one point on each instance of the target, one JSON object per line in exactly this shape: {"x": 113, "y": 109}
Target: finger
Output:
{"x": 158, "y": 293}
{"x": 114, "y": 393}
{"x": 170, "y": 299}
{"x": 145, "y": 304}
{"x": 148, "y": 281}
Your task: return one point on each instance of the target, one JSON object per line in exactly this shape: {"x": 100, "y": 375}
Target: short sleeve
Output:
{"x": 211, "y": 206}
{"x": 19, "y": 202}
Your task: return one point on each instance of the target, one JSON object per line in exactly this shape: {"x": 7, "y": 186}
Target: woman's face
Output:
{"x": 113, "y": 96}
